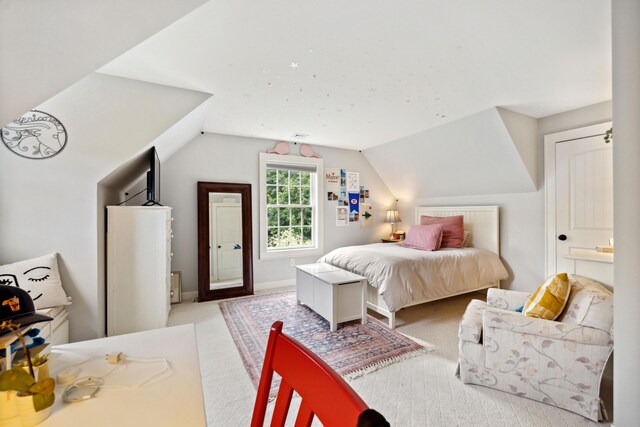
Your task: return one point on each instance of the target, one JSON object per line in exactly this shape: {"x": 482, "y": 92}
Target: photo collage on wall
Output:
{"x": 352, "y": 199}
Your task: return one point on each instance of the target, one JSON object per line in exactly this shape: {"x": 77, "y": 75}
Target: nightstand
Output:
{"x": 391, "y": 240}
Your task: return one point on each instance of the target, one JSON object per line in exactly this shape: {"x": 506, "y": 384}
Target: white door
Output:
{"x": 584, "y": 206}
{"x": 229, "y": 242}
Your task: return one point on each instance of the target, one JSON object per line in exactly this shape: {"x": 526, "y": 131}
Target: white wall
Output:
{"x": 52, "y": 205}
{"x": 46, "y": 46}
{"x": 223, "y": 158}
{"x": 626, "y": 176}
{"x": 521, "y": 232}
{"x": 234, "y": 159}
{"x": 478, "y": 154}
{"x": 490, "y": 158}
{"x": 521, "y": 213}
{"x": 586, "y": 116}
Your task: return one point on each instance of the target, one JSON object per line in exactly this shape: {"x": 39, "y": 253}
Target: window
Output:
{"x": 290, "y": 205}
{"x": 289, "y": 208}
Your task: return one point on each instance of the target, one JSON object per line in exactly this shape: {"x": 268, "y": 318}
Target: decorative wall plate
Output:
{"x": 35, "y": 135}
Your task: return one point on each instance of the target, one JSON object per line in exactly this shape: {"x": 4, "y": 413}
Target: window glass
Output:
{"x": 289, "y": 208}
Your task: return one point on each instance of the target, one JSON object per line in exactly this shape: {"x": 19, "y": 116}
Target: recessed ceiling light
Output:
{"x": 300, "y": 135}
{"x": 294, "y": 65}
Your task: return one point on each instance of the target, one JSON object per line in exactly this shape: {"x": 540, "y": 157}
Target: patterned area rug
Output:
{"x": 353, "y": 350}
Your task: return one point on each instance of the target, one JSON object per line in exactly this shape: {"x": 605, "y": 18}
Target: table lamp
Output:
{"x": 392, "y": 217}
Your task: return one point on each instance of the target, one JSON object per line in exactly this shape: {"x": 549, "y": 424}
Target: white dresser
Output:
{"x": 138, "y": 268}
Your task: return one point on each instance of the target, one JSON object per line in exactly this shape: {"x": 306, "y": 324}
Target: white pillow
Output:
{"x": 39, "y": 277}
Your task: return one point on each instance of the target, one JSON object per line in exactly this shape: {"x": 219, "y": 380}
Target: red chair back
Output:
{"x": 324, "y": 393}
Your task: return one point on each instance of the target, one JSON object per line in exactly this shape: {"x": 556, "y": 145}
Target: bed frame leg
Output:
{"x": 392, "y": 320}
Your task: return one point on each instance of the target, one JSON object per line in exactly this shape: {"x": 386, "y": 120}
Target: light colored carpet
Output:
{"x": 422, "y": 391}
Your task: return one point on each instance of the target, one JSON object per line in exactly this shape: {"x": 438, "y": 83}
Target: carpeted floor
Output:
{"x": 421, "y": 391}
{"x": 353, "y": 350}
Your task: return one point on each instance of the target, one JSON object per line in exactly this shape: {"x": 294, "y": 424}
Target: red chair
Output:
{"x": 324, "y": 393}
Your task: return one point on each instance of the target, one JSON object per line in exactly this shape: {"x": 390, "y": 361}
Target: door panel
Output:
{"x": 584, "y": 198}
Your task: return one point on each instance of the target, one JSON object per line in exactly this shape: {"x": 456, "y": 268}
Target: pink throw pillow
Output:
{"x": 452, "y": 230}
{"x": 423, "y": 237}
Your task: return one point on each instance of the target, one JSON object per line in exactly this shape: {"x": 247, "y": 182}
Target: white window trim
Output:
{"x": 318, "y": 200}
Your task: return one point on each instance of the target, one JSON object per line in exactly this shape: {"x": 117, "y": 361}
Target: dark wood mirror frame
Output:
{"x": 204, "y": 291}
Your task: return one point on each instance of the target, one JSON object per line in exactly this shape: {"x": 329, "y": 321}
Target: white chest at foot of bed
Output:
{"x": 333, "y": 293}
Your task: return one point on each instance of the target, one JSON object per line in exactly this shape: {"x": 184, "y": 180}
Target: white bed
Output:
{"x": 401, "y": 277}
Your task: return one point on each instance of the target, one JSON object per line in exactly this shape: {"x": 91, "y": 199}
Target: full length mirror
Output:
{"x": 224, "y": 240}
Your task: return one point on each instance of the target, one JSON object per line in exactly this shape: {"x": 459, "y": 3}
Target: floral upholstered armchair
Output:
{"x": 556, "y": 362}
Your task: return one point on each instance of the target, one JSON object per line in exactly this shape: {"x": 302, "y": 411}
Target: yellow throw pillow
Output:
{"x": 548, "y": 301}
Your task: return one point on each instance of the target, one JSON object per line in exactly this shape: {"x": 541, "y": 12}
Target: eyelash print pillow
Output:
{"x": 39, "y": 277}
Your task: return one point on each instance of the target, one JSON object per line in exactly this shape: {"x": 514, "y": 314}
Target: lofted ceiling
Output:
{"x": 46, "y": 46}
{"x": 362, "y": 73}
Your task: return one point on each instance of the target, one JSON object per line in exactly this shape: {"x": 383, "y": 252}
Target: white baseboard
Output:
{"x": 188, "y": 296}
{"x": 272, "y": 285}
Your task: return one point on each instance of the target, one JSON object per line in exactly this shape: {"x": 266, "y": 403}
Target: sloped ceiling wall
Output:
{"x": 52, "y": 205}
{"x": 491, "y": 152}
{"x": 46, "y": 46}
{"x": 176, "y": 137}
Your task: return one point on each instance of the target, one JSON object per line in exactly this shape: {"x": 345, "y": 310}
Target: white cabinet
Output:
{"x": 138, "y": 268}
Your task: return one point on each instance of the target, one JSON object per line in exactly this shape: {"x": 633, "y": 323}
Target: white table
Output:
{"x": 174, "y": 400}
{"x": 333, "y": 293}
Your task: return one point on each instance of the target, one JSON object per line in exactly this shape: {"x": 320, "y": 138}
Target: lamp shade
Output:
{"x": 392, "y": 216}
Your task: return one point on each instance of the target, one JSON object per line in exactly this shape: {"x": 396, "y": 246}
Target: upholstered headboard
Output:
{"x": 482, "y": 221}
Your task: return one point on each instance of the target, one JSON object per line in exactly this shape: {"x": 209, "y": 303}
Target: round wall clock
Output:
{"x": 35, "y": 135}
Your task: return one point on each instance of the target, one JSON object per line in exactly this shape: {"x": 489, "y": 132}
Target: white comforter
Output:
{"x": 404, "y": 275}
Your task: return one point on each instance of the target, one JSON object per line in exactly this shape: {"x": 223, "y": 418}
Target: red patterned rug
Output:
{"x": 353, "y": 350}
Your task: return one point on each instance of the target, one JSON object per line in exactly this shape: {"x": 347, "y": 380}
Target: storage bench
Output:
{"x": 333, "y": 293}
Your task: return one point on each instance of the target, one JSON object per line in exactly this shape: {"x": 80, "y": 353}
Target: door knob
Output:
{"x": 562, "y": 237}
{"x": 219, "y": 247}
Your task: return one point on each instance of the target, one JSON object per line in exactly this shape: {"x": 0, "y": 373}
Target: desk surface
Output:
{"x": 173, "y": 400}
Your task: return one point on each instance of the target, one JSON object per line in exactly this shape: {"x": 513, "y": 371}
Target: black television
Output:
{"x": 153, "y": 179}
